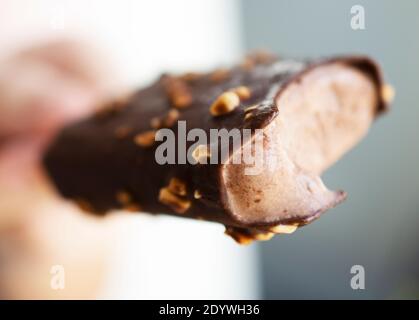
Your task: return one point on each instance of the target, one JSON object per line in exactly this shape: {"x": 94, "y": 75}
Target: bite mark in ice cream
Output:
{"x": 320, "y": 118}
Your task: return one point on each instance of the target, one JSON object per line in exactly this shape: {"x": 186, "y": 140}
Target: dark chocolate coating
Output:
{"x": 89, "y": 162}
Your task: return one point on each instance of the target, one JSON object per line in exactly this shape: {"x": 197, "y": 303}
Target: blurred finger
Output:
{"x": 43, "y": 87}
{"x": 35, "y": 96}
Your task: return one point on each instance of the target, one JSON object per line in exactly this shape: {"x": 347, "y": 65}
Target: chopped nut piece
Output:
{"x": 181, "y": 100}
{"x": 264, "y": 236}
{"x": 156, "y": 123}
{"x": 197, "y": 194}
{"x": 132, "y": 207}
{"x": 220, "y": 75}
{"x": 388, "y": 93}
{"x": 145, "y": 139}
{"x": 239, "y": 237}
{"x": 171, "y": 118}
{"x": 243, "y": 240}
{"x": 177, "y": 186}
{"x": 283, "y": 228}
{"x": 251, "y": 108}
{"x": 123, "y": 197}
{"x": 178, "y": 92}
{"x": 225, "y": 103}
{"x": 246, "y": 237}
{"x": 122, "y": 132}
{"x": 165, "y": 122}
{"x": 84, "y": 205}
{"x": 248, "y": 115}
{"x": 175, "y": 202}
{"x": 201, "y": 154}
{"x": 243, "y": 92}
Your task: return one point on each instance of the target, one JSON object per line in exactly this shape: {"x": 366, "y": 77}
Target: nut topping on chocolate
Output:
{"x": 181, "y": 100}
{"x": 123, "y": 197}
{"x": 197, "y": 194}
{"x": 388, "y": 93}
{"x": 243, "y": 92}
{"x": 132, "y": 207}
{"x": 238, "y": 237}
{"x": 264, "y": 236}
{"x": 283, "y": 228}
{"x": 122, "y": 132}
{"x": 177, "y": 203}
{"x": 251, "y": 108}
{"x": 166, "y": 121}
{"x": 156, "y": 123}
{"x": 84, "y": 205}
{"x": 225, "y": 103}
{"x": 145, "y": 139}
{"x": 177, "y": 186}
{"x": 178, "y": 91}
{"x": 201, "y": 154}
{"x": 248, "y": 115}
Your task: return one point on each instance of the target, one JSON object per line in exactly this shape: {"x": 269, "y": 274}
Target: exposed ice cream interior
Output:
{"x": 321, "y": 117}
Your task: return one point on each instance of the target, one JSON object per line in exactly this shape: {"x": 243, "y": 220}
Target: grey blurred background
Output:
{"x": 377, "y": 226}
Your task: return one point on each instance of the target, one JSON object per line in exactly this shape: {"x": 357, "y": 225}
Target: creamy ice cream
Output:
{"x": 320, "y": 118}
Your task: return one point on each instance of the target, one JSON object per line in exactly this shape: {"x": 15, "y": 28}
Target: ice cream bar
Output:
{"x": 244, "y": 146}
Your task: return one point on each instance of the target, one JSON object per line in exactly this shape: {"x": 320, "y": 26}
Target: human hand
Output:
{"x": 41, "y": 89}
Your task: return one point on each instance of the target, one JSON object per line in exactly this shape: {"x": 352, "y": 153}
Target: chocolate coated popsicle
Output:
{"x": 294, "y": 119}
